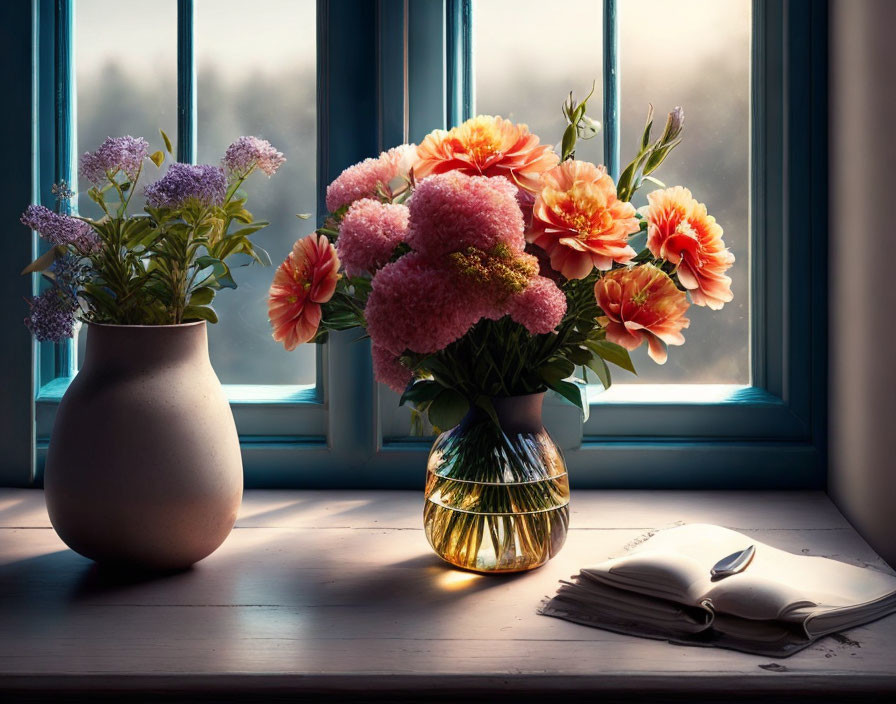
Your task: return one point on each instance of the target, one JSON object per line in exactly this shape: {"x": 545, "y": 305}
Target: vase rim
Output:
{"x": 191, "y": 324}
{"x": 536, "y": 393}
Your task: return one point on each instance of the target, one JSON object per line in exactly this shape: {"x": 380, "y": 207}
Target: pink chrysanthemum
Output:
{"x": 451, "y": 212}
{"x": 369, "y": 234}
{"x": 367, "y": 178}
{"x": 539, "y": 307}
{"x": 417, "y": 305}
{"x": 389, "y": 370}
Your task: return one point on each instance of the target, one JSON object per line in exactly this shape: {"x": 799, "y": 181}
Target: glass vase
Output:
{"x": 497, "y": 498}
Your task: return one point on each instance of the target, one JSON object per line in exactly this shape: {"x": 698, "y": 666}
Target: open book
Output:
{"x": 777, "y": 605}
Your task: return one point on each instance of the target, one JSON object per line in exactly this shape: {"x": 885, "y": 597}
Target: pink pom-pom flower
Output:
{"x": 539, "y": 307}
{"x": 417, "y": 305}
{"x": 369, "y": 234}
{"x": 451, "y": 212}
{"x": 389, "y": 370}
{"x": 367, "y": 178}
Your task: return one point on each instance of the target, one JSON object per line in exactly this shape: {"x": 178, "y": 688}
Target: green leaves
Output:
{"x": 650, "y": 155}
{"x": 578, "y": 125}
{"x": 167, "y": 142}
{"x": 192, "y": 312}
{"x": 555, "y": 370}
{"x": 613, "y": 353}
{"x": 447, "y": 409}
{"x": 220, "y": 276}
{"x": 444, "y": 406}
{"x": 157, "y": 157}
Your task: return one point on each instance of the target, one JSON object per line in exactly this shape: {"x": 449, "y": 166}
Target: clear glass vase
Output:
{"x": 497, "y": 499}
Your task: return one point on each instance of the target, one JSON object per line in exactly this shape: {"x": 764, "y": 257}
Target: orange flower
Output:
{"x": 578, "y": 220}
{"x": 303, "y": 281}
{"x": 680, "y": 231}
{"x": 486, "y": 146}
{"x": 642, "y": 303}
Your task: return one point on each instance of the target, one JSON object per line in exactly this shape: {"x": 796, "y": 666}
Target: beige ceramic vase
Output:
{"x": 144, "y": 468}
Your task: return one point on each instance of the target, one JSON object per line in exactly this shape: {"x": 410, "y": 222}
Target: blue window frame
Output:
{"x": 395, "y": 69}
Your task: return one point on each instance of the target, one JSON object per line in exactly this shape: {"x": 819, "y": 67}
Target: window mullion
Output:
{"x": 611, "y": 88}
{"x": 186, "y": 83}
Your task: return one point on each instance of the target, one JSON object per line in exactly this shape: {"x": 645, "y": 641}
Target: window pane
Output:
{"x": 696, "y": 53}
{"x": 126, "y": 81}
{"x": 263, "y": 83}
{"x": 528, "y": 56}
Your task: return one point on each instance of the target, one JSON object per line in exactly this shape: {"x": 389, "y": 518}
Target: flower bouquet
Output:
{"x": 487, "y": 268}
{"x": 144, "y": 465}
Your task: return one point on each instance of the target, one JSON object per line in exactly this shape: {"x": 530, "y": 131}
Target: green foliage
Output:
{"x": 579, "y": 125}
{"x": 164, "y": 265}
{"x": 650, "y": 154}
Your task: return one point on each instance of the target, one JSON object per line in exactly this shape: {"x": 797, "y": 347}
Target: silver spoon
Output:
{"x": 734, "y": 563}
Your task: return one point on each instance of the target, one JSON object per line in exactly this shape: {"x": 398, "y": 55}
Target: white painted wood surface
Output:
{"x": 339, "y": 592}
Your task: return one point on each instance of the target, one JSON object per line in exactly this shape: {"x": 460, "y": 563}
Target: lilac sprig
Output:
{"x": 61, "y": 229}
{"x": 203, "y": 183}
{"x": 116, "y": 154}
{"x": 51, "y": 317}
{"x": 248, "y": 153}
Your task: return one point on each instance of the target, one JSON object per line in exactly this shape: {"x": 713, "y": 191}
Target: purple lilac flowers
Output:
{"x": 183, "y": 182}
{"x": 52, "y": 316}
{"x": 247, "y": 153}
{"x": 115, "y": 154}
{"x": 61, "y": 229}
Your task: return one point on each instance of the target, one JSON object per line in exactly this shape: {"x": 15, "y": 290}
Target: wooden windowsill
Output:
{"x": 337, "y": 592}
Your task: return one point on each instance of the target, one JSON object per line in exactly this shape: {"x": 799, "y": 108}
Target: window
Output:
{"x": 395, "y": 69}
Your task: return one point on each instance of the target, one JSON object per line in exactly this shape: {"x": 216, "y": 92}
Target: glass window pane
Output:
{"x": 261, "y": 83}
{"x": 529, "y": 54}
{"x": 696, "y": 53}
{"x": 126, "y": 77}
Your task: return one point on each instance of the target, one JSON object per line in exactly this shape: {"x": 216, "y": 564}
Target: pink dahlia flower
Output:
{"x": 681, "y": 231}
{"x": 367, "y": 178}
{"x": 369, "y": 234}
{"x": 642, "y": 304}
{"x": 486, "y": 146}
{"x": 451, "y": 212}
{"x": 417, "y": 305}
{"x": 539, "y": 307}
{"x": 578, "y": 220}
{"x": 302, "y": 282}
{"x": 388, "y": 369}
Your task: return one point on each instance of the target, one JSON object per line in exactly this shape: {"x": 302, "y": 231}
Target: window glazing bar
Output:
{"x": 64, "y": 138}
{"x": 611, "y": 88}
{"x": 459, "y": 60}
{"x": 186, "y": 84}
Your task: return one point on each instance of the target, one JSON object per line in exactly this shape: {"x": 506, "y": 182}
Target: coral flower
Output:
{"x": 641, "y": 304}
{"x": 680, "y": 231}
{"x": 303, "y": 281}
{"x": 486, "y": 146}
{"x": 578, "y": 220}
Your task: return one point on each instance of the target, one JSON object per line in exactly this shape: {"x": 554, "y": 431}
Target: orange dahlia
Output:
{"x": 578, "y": 220}
{"x": 642, "y": 303}
{"x": 302, "y": 282}
{"x": 486, "y": 146}
{"x": 679, "y": 230}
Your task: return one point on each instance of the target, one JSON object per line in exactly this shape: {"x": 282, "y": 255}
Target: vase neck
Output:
{"x": 121, "y": 346}
{"x": 516, "y": 414}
